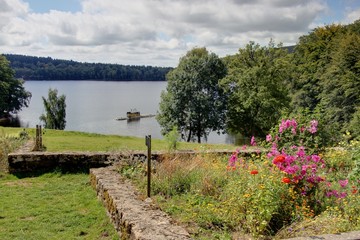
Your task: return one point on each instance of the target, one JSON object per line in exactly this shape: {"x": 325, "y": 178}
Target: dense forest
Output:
{"x": 46, "y": 68}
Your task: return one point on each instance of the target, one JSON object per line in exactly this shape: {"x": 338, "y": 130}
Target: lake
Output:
{"x": 94, "y": 106}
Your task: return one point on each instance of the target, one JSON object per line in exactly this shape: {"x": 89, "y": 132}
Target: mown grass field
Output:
{"x": 52, "y": 206}
{"x": 60, "y": 141}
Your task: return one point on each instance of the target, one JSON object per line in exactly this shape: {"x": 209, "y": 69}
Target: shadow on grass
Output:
{"x": 57, "y": 170}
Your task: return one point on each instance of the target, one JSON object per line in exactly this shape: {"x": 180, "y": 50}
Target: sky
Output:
{"x": 158, "y": 32}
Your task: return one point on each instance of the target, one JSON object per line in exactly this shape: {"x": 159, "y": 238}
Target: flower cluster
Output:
{"x": 285, "y": 124}
{"x": 300, "y": 166}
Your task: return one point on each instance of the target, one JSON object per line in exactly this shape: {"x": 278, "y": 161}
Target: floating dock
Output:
{"x": 135, "y": 117}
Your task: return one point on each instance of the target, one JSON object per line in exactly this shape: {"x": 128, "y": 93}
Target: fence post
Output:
{"x": 38, "y": 139}
{"x": 148, "y": 144}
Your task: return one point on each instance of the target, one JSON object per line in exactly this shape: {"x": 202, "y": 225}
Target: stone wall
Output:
{"x": 44, "y": 161}
{"x": 133, "y": 217}
{"x": 29, "y": 162}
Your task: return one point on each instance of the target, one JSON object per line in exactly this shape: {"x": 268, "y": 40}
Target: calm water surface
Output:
{"x": 93, "y": 106}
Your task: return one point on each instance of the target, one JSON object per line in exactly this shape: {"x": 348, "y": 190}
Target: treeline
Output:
{"x": 318, "y": 79}
{"x": 47, "y": 68}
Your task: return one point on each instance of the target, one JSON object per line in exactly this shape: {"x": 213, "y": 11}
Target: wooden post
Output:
{"x": 38, "y": 139}
{"x": 148, "y": 144}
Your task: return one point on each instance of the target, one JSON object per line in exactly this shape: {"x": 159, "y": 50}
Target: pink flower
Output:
{"x": 315, "y": 158}
{"x": 313, "y": 126}
{"x": 301, "y": 151}
{"x": 343, "y": 183}
{"x": 233, "y": 159}
{"x": 291, "y": 169}
{"x": 252, "y": 141}
{"x": 343, "y": 195}
{"x": 302, "y": 129}
{"x": 268, "y": 138}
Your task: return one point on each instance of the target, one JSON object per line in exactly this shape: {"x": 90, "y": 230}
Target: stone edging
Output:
{"x": 132, "y": 217}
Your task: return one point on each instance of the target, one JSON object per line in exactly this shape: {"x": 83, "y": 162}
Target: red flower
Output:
{"x": 279, "y": 159}
{"x": 254, "y": 172}
{"x": 286, "y": 180}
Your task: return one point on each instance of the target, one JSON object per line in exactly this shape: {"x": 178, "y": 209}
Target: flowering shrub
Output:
{"x": 293, "y": 190}
{"x": 294, "y": 153}
{"x": 299, "y": 168}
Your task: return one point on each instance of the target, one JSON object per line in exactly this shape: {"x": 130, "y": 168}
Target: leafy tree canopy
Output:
{"x": 326, "y": 76}
{"x": 13, "y": 96}
{"x": 193, "y": 101}
{"x": 256, "y": 83}
{"x": 55, "y": 108}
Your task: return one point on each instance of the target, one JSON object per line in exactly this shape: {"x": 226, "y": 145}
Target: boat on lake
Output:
{"x": 133, "y": 114}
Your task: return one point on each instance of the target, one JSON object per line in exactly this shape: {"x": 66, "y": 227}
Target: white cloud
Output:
{"x": 152, "y": 32}
{"x": 352, "y": 15}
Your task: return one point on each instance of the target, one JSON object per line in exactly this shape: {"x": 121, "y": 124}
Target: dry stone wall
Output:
{"x": 133, "y": 218}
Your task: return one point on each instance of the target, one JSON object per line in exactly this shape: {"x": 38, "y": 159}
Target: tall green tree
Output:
{"x": 55, "y": 108}
{"x": 13, "y": 96}
{"x": 311, "y": 57}
{"x": 256, "y": 83}
{"x": 193, "y": 101}
{"x": 341, "y": 82}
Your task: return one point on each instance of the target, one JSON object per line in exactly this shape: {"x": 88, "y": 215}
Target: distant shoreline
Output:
{"x": 32, "y": 68}
{"x": 92, "y": 80}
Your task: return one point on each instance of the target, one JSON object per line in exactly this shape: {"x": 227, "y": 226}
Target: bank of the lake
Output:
{"x": 93, "y": 106}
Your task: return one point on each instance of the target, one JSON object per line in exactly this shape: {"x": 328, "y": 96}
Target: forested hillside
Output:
{"x": 41, "y": 68}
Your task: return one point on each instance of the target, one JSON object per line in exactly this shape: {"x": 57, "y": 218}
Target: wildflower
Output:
{"x": 287, "y": 124}
{"x": 254, "y": 172}
{"x": 302, "y": 129}
{"x": 313, "y": 126}
{"x": 252, "y": 141}
{"x": 343, "y": 195}
{"x": 286, "y": 180}
{"x": 233, "y": 158}
{"x": 315, "y": 158}
{"x": 301, "y": 151}
{"x": 279, "y": 159}
{"x": 354, "y": 190}
{"x": 343, "y": 183}
{"x": 291, "y": 169}
{"x": 230, "y": 168}
{"x": 268, "y": 138}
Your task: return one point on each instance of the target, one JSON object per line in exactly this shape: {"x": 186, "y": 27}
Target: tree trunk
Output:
{"x": 199, "y": 136}
{"x": 189, "y": 136}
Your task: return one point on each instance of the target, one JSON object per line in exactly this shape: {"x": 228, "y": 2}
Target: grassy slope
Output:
{"x": 59, "y": 141}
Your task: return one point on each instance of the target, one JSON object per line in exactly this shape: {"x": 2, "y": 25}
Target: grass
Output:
{"x": 52, "y": 206}
{"x": 60, "y": 141}
{"x": 61, "y": 206}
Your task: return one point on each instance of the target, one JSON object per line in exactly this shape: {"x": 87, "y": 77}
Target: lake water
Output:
{"x": 93, "y": 106}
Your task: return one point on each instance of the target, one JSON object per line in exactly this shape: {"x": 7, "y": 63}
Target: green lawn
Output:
{"x": 52, "y": 206}
{"x": 62, "y": 206}
{"x": 60, "y": 141}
